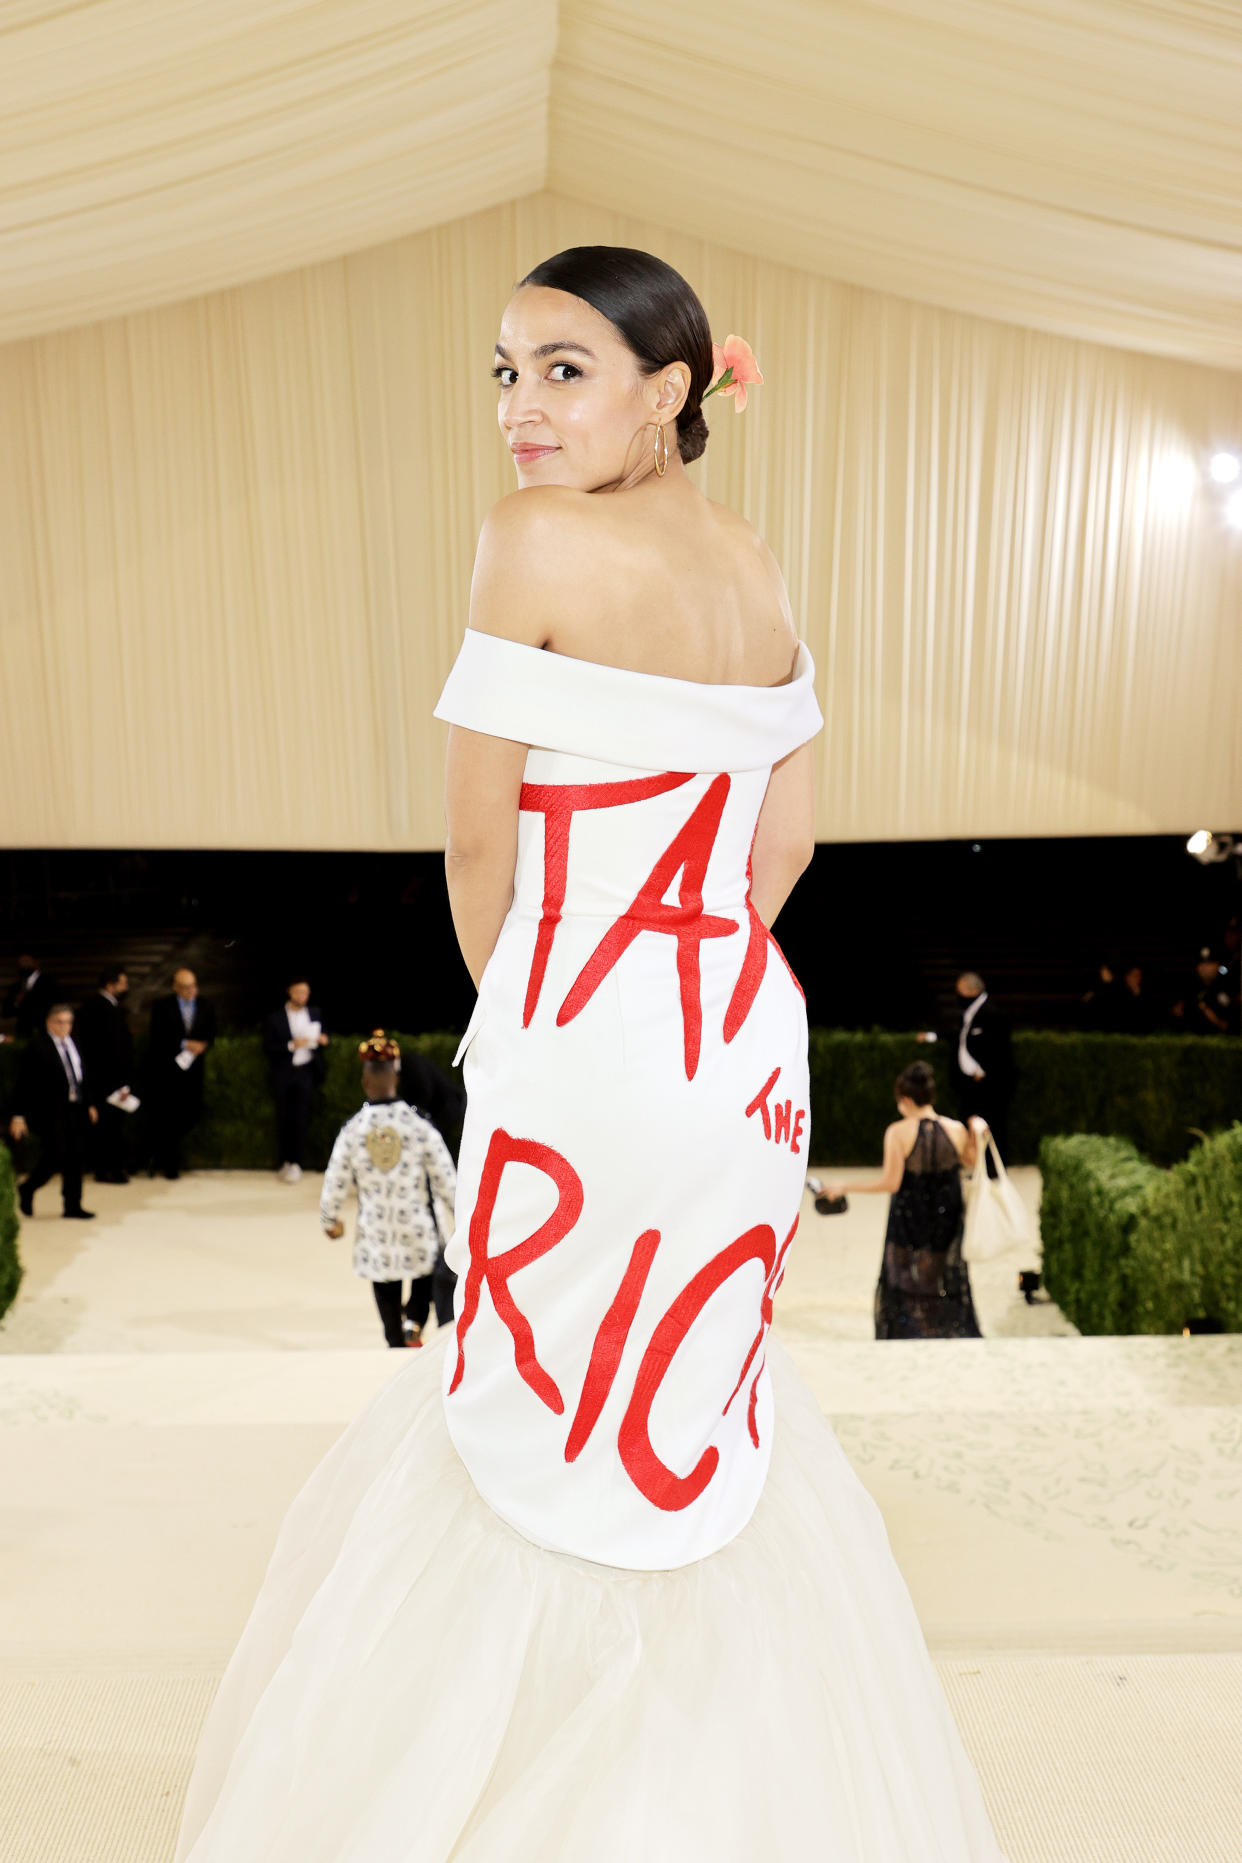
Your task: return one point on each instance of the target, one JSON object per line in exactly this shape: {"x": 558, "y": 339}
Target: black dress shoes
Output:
{"x": 26, "y": 1203}
{"x": 80, "y": 1216}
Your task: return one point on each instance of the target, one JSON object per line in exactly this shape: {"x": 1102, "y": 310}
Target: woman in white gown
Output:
{"x": 591, "y": 1578}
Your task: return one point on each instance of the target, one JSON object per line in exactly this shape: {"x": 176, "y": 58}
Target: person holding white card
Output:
{"x": 293, "y": 1041}
{"x": 101, "y": 1030}
{"x": 183, "y": 1028}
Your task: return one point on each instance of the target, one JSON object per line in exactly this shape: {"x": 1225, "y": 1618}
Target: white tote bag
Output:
{"x": 996, "y": 1217}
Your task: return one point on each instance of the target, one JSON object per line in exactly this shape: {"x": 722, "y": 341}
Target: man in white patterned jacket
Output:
{"x": 400, "y": 1168}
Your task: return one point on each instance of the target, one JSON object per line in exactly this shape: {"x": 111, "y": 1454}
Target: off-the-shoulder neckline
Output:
{"x": 663, "y": 679}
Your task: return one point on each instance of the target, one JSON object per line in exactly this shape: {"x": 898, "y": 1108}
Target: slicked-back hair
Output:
{"x": 652, "y": 308}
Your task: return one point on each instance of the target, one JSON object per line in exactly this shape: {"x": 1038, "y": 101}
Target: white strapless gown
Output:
{"x": 590, "y": 1580}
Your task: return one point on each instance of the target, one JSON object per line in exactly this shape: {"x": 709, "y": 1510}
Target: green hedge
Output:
{"x": 10, "y": 1260}
{"x": 1131, "y": 1248}
{"x": 238, "y": 1128}
{"x": 1188, "y": 1248}
{"x": 1155, "y": 1090}
{"x": 1159, "y": 1091}
{"x": 1094, "y": 1190}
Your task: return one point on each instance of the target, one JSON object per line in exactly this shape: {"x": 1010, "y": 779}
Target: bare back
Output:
{"x": 907, "y": 1131}
{"x": 656, "y": 579}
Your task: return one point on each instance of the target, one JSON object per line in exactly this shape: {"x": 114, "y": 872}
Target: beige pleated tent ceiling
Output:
{"x": 252, "y": 260}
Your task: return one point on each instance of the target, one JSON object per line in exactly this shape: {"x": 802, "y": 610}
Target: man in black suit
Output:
{"x": 101, "y": 1031}
{"x": 183, "y": 1028}
{"x": 32, "y": 997}
{"x": 293, "y": 1041}
{"x": 53, "y": 1102}
{"x": 980, "y": 1060}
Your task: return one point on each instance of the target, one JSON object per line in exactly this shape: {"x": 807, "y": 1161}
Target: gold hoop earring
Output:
{"x": 660, "y": 450}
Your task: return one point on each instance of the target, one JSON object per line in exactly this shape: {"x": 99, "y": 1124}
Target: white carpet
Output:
{"x": 1065, "y": 1511}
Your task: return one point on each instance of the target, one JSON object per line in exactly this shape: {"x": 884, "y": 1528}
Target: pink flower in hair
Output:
{"x": 734, "y": 370}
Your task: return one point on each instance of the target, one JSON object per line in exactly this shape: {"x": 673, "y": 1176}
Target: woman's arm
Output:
{"x": 482, "y": 785}
{"x": 518, "y": 588}
{"x": 890, "y": 1177}
{"x": 975, "y": 1130}
{"x": 785, "y": 836}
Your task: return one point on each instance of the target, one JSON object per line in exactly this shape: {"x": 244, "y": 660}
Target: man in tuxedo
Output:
{"x": 54, "y": 1103}
{"x": 293, "y": 1041}
{"x": 101, "y": 1031}
{"x": 1104, "y": 1007}
{"x": 1205, "y": 1008}
{"x": 980, "y": 1060}
{"x": 32, "y": 997}
{"x": 183, "y": 1028}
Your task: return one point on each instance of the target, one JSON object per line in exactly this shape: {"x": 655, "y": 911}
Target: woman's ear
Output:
{"x": 674, "y": 387}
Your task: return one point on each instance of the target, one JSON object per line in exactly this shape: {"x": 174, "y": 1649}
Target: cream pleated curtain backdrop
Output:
{"x": 152, "y": 151}
{"x": 238, "y": 532}
{"x": 1070, "y": 165}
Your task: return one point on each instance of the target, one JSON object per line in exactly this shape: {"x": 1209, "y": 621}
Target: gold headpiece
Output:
{"x": 379, "y": 1047}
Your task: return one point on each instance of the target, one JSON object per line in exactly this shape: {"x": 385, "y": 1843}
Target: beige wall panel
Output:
{"x": 151, "y": 152}
{"x": 238, "y": 535}
{"x": 1074, "y": 166}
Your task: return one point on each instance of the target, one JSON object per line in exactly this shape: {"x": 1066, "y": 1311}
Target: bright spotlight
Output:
{"x": 1225, "y": 468}
{"x": 1173, "y": 481}
{"x": 1210, "y": 849}
{"x": 1233, "y": 511}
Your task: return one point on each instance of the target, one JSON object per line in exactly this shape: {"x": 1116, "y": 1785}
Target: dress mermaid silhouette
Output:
{"x": 591, "y": 1578}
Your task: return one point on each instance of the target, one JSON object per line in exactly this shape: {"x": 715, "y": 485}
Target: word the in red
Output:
{"x": 781, "y": 1123}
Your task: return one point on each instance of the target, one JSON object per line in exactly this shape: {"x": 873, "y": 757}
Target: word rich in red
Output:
{"x": 662, "y": 1486}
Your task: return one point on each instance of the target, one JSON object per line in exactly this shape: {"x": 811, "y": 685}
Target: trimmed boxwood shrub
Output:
{"x": 238, "y": 1128}
{"x": 1094, "y": 1190}
{"x": 1131, "y": 1248}
{"x": 1159, "y": 1091}
{"x": 10, "y": 1260}
{"x": 1155, "y": 1090}
{"x": 1187, "y": 1260}
{"x": 852, "y": 1075}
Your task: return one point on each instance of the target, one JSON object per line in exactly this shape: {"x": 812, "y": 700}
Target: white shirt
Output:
{"x": 965, "y": 1059}
{"x": 300, "y": 1024}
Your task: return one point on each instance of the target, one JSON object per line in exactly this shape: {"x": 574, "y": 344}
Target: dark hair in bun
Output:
{"x": 652, "y": 308}
{"x": 917, "y": 1083}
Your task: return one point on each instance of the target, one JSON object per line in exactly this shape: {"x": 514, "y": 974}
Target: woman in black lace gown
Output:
{"x": 924, "y": 1287}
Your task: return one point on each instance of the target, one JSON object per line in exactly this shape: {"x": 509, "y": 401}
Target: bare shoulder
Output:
{"x": 531, "y": 552}
{"x": 532, "y": 512}
{"x": 762, "y": 574}
{"x": 903, "y": 1135}
{"x": 742, "y": 535}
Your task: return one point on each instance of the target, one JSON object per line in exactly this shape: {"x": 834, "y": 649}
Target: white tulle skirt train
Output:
{"x": 418, "y": 1683}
